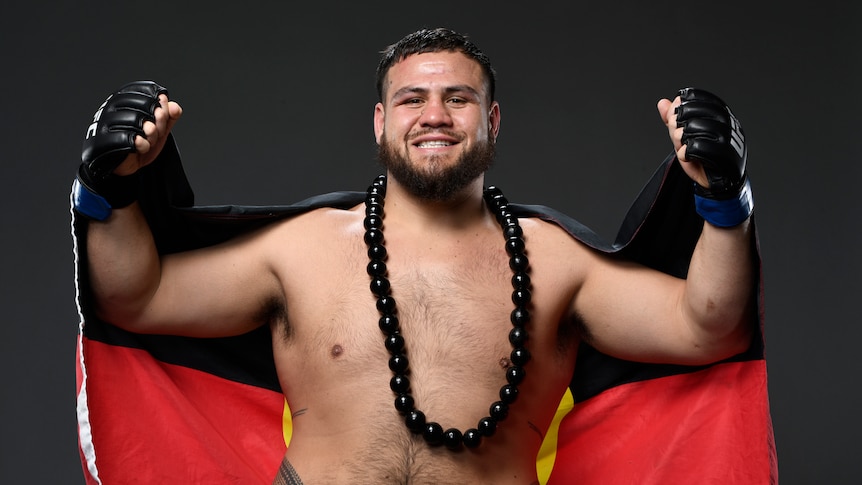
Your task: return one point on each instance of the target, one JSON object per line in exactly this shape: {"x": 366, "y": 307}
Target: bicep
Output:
{"x": 635, "y": 313}
{"x": 215, "y": 291}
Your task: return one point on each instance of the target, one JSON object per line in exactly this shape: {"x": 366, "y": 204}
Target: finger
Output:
{"x": 150, "y": 129}
{"x": 667, "y": 111}
{"x": 174, "y": 112}
{"x": 167, "y": 115}
{"x": 142, "y": 145}
{"x": 680, "y": 153}
{"x": 676, "y": 136}
{"x": 673, "y": 119}
{"x": 161, "y": 115}
{"x": 664, "y": 109}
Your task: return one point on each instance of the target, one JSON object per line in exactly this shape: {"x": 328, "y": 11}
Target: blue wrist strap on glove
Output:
{"x": 96, "y": 197}
{"x": 89, "y": 203}
{"x": 726, "y": 212}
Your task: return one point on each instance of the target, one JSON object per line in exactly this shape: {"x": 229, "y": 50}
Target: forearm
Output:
{"x": 124, "y": 266}
{"x": 719, "y": 288}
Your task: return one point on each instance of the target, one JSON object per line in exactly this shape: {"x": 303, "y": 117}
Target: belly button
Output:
{"x": 336, "y": 351}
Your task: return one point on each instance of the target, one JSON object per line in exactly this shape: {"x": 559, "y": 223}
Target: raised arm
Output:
{"x": 711, "y": 148}
{"x": 211, "y": 292}
{"x": 636, "y": 313}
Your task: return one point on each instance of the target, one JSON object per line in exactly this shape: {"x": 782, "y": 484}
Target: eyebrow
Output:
{"x": 458, "y": 88}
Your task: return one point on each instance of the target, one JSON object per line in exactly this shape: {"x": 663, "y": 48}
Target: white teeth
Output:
{"x": 433, "y": 144}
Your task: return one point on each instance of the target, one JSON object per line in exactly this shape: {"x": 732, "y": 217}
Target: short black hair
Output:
{"x": 434, "y": 40}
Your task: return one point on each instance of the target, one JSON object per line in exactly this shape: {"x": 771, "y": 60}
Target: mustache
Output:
{"x": 434, "y": 131}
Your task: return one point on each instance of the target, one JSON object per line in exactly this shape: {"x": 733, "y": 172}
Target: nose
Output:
{"x": 435, "y": 114}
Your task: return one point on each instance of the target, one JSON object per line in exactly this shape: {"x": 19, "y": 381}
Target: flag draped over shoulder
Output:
{"x": 166, "y": 409}
{"x": 625, "y": 422}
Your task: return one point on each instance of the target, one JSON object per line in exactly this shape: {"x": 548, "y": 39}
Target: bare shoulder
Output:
{"x": 317, "y": 226}
{"x": 315, "y": 242}
{"x": 557, "y": 259}
{"x": 554, "y": 242}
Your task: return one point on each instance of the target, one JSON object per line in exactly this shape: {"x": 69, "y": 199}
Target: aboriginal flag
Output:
{"x": 164, "y": 409}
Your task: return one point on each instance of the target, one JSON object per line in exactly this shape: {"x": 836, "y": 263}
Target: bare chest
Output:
{"x": 454, "y": 314}
{"x": 454, "y": 317}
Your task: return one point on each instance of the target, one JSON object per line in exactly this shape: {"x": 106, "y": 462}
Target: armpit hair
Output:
{"x": 576, "y": 328}
{"x": 274, "y": 313}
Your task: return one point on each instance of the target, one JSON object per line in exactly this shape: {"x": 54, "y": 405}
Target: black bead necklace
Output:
{"x": 431, "y": 431}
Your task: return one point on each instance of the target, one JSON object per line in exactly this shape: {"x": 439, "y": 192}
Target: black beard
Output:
{"x": 437, "y": 185}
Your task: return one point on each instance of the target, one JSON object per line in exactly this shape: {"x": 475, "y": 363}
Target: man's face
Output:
{"x": 435, "y": 127}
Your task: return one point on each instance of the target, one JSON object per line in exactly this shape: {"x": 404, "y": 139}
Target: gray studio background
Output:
{"x": 278, "y": 101}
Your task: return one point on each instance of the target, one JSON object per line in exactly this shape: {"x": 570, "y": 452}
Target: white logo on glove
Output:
{"x": 91, "y": 130}
{"x": 736, "y": 137}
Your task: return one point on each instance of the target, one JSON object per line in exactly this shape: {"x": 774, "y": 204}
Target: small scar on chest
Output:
{"x": 336, "y": 351}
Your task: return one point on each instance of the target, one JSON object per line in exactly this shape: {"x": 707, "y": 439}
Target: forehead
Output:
{"x": 435, "y": 69}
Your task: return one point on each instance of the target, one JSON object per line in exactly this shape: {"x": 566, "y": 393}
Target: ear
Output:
{"x": 379, "y": 118}
{"x": 494, "y": 120}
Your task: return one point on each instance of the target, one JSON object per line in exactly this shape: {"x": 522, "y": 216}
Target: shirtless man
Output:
{"x": 450, "y": 268}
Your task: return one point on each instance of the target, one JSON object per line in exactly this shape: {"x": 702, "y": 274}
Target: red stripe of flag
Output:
{"x": 146, "y": 430}
{"x": 707, "y": 427}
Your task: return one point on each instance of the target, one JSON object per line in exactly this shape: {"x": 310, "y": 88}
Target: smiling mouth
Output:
{"x": 434, "y": 144}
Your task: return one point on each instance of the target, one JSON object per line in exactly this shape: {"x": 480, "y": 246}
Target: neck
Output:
{"x": 462, "y": 211}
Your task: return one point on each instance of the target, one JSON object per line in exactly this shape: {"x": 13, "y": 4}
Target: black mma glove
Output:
{"x": 109, "y": 139}
{"x": 714, "y": 137}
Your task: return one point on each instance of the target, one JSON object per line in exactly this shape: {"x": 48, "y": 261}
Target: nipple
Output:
{"x": 336, "y": 351}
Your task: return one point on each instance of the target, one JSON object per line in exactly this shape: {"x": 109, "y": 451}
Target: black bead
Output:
{"x": 375, "y": 189}
{"x": 404, "y": 403}
{"x": 433, "y": 434}
{"x": 394, "y": 340}
{"x": 399, "y": 384}
{"x": 509, "y": 221}
{"x": 386, "y": 304}
{"x": 452, "y": 439}
{"x": 492, "y": 191}
{"x": 487, "y": 426}
{"x": 376, "y": 268}
{"x": 379, "y": 286}
{"x": 520, "y": 356}
{"x": 514, "y": 245}
{"x": 520, "y": 316}
{"x": 515, "y": 374}
{"x": 415, "y": 421}
{"x": 374, "y": 200}
{"x": 373, "y": 236}
{"x": 374, "y": 210}
{"x": 519, "y": 262}
{"x": 388, "y": 325}
{"x": 472, "y": 438}
{"x": 503, "y": 214}
{"x": 499, "y": 410}
{"x": 378, "y": 252}
{"x": 398, "y": 363}
{"x": 518, "y": 336}
{"x": 512, "y": 231}
{"x": 520, "y": 297}
{"x": 509, "y": 393}
{"x": 521, "y": 281}
{"x": 373, "y": 222}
